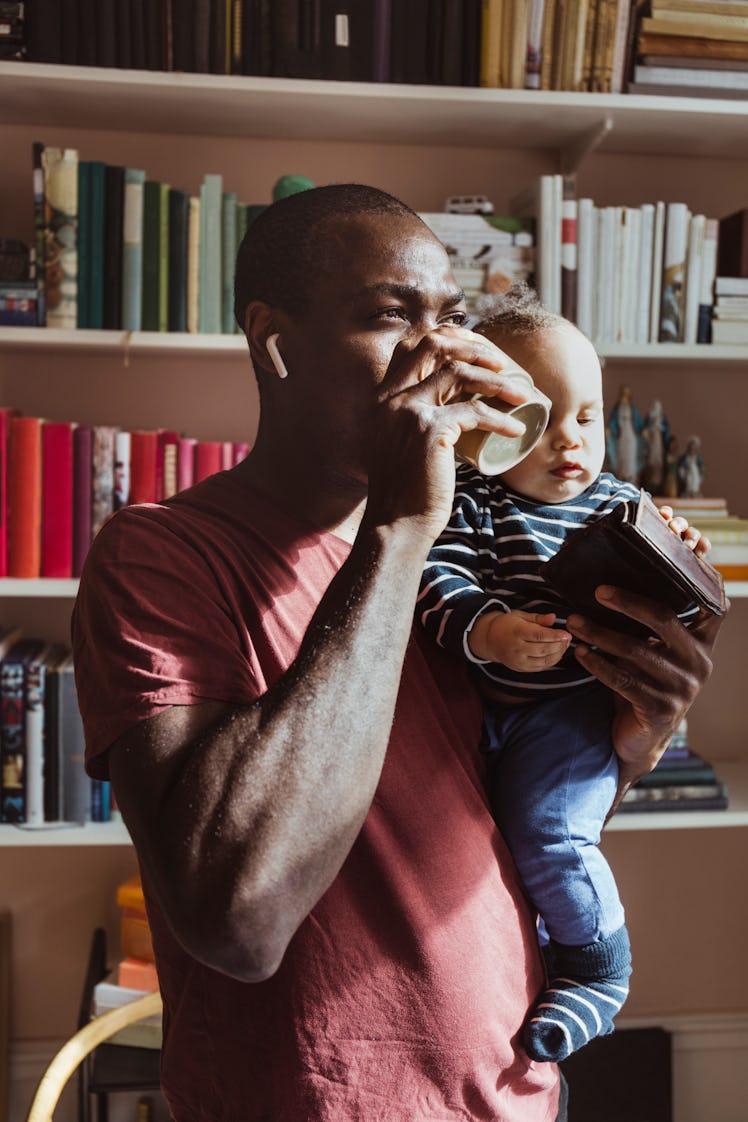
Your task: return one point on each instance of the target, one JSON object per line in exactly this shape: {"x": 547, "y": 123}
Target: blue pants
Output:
{"x": 553, "y": 775}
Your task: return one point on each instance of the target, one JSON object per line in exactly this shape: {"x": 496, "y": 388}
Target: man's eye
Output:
{"x": 390, "y": 313}
{"x": 456, "y": 319}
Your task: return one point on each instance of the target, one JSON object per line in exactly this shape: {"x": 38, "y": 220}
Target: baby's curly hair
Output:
{"x": 517, "y": 312}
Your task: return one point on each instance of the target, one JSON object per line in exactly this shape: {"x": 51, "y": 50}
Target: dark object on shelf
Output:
{"x": 14, "y": 260}
{"x": 633, "y": 548}
{"x": 625, "y": 1077}
{"x": 111, "y": 1067}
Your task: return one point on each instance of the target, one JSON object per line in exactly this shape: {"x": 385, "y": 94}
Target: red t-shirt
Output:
{"x": 402, "y": 994}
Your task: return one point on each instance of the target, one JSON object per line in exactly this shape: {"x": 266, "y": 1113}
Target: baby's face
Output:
{"x": 569, "y": 456}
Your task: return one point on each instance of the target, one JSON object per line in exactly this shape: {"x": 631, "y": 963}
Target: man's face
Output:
{"x": 385, "y": 280}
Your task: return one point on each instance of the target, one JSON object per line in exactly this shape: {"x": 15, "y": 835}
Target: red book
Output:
{"x": 24, "y": 497}
{"x": 241, "y": 451}
{"x": 208, "y": 455}
{"x": 5, "y": 418}
{"x": 143, "y": 460}
{"x": 227, "y": 455}
{"x": 186, "y": 462}
{"x": 57, "y": 499}
{"x": 82, "y": 473}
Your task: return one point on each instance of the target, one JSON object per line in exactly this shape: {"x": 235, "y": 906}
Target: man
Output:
{"x": 339, "y": 931}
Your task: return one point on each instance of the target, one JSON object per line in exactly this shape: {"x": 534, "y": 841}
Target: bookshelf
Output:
{"x": 421, "y": 143}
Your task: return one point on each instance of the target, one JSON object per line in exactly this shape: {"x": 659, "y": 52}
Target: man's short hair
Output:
{"x": 283, "y": 252}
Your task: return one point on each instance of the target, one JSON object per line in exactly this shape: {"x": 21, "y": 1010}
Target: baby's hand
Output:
{"x": 690, "y": 535}
{"x": 521, "y": 641}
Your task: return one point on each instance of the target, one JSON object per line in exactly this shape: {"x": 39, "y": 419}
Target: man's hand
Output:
{"x": 522, "y": 641}
{"x": 423, "y": 409}
{"x": 655, "y": 680}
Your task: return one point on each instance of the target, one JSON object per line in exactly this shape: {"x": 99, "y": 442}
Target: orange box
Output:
{"x": 136, "y": 974}
{"x": 135, "y": 934}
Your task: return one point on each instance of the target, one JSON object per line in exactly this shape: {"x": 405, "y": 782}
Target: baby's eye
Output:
{"x": 586, "y": 419}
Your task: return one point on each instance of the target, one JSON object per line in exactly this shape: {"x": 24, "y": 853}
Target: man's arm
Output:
{"x": 655, "y": 682}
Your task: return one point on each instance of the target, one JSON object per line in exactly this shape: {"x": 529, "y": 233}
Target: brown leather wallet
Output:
{"x": 633, "y": 548}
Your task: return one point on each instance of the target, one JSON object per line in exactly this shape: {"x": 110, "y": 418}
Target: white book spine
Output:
{"x": 630, "y": 248}
{"x": 606, "y": 273}
{"x": 644, "y": 285}
{"x": 122, "y": 450}
{"x": 614, "y": 302}
{"x": 674, "y": 273}
{"x": 585, "y": 235}
{"x": 691, "y": 76}
{"x": 34, "y": 766}
{"x": 706, "y": 279}
{"x": 693, "y": 277}
{"x": 534, "y": 44}
{"x": 549, "y": 242}
{"x": 658, "y": 242}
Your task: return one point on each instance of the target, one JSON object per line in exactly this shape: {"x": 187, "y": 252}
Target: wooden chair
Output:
{"x": 102, "y": 1068}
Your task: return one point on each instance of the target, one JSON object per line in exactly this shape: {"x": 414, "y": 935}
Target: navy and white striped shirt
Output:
{"x": 490, "y": 557}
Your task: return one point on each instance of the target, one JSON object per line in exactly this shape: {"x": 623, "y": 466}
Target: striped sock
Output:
{"x": 589, "y": 986}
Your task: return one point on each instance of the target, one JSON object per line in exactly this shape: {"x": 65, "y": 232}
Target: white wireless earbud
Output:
{"x": 275, "y": 356}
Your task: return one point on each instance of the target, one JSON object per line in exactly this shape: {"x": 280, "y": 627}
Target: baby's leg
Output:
{"x": 553, "y": 784}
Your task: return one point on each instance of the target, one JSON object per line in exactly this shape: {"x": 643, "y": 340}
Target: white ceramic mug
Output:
{"x": 490, "y": 452}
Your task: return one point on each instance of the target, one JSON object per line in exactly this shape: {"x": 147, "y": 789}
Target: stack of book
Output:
{"x": 682, "y": 780}
{"x": 488, "y": 252}
{"x": 41, "y": 738}
{"x": 695, "y": 48}
{"x": 730, "y": 323}
{"x": 61, "y": 481}
{"x": 727, "y": 533}
{"x": 623, "y": 274}
{"x": 12, "y": 29}
{"x": 116, "y": 250}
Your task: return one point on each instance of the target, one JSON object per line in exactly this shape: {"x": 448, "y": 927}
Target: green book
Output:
{"x": 228, "y": 259}
{"x": 178, "y": 214}
{"x": 151, "y": 254}
{"x": 163, "y": 254}
{"x": 96, "y": 242}
{"x": 132, "y": 250}
{"x": 211, "y": 281}
{"x": 84, "y": 243}
{"x": 241, "y": 229}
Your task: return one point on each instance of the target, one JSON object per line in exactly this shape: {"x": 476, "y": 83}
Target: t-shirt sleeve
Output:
{"x": 151, "y": 629}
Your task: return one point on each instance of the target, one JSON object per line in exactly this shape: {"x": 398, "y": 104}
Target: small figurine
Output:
{"x": 656, "y": 433}
{"x": 290, "y": 185}
{"x": 624, "y": 440}
{"x": 670, "y": 485}
{"x": 691, "y": 470}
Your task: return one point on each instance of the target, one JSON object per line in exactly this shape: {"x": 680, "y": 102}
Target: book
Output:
{"x": 151, "y": 255}
{"x": 674, "y": 272}
{"x": 681, "y": 46}
{"x": 712, "y": 796}
{"x": 648, "y": 89}
{"x": 690, "y": 769}
{"x": 84, "y": 244}
{"x": 6, "y": 415}
{"x": 132, "y": 249}
{"x": 34, "y": 736}
{"x": 13, "y": 679}
{"x": 186, "y": 462}
{"x": 706, "y": 281}
{"x": 178, "y": 249}
{"x": 658, "y": 245}
{"x": 732, "y": 252}
{"x": 693, "y": 278}
{"x": 734, "y": 28}
{"x": 163, "y": 257}
{"x": 208, "y": 459}
{"x": 52, "y": 778}
{"x": 143, "y": 460}
{"x": 123, "y": 35}
{"x": 37, "y": 181}
{"x": 193, "y": 265}
{"x": 685, "y": 8}
{"x": 24, "y": 497}
{"x": 82, "y": 472}
{"x": 57, "y": 500}
{"x": 644, "y": 282}
{"x": 18, "y": 304}
{"x": 60, "y": 167}
{"x": 228, "y": 259}
{"x": 534, "y": 52}
{"x": 729, "y": 331}
{"x": 210, "y": 282}
{"x": 568, "y": 258}
{"x": 631, "y": 219}
{"x": 299, "y": 38}
{"x": 97, "y": 223}
{"x": 730, "y": 286}
{"x": 696, "y": 77}
{"x": 122, "y": 457}
{"x": 102, "y": 475}
{"x": 633, "y": 548}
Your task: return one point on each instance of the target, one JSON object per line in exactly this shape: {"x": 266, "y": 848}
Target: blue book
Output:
{"x": 211, "y": 276}
{"x": 132, "y": 250}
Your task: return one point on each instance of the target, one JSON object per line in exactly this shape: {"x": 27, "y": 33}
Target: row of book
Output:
{"x": 696, "y": 48}
{"x": 61, "y": 481}
{"x": 634, "y": 274}
{"x": 682, "y": 780}
{"x": 115, "y": 250}
{"x": 42, "y": 779}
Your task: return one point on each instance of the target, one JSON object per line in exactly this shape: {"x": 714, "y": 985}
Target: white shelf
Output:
{"x": 165, "y": 342}
{"x": 735, "y": 775}
{"x": 366, "y": 112}
{"x": 11, "y": 587}
{"x": 93, "y": 833}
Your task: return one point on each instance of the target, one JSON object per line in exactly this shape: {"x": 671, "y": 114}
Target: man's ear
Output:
{"x": 260, "y": 326}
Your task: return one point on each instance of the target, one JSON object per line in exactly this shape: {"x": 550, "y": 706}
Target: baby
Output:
{"x": 547, "y": 723}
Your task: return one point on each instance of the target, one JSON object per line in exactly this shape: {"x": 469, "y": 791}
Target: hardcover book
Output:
{"x": 61, "y": 235}
{"x": 82, "y": 450}
{"x": 633, "y": 548}
{"x": 24, "y": 497}
{"x": 57, "y": 500}
{"x": 132, "y": 250}
{"x": 102, "y": 476}
{"x": 13, "y": 678}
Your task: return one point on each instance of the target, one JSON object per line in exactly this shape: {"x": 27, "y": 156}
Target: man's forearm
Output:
{"x": 256, "y": 814}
